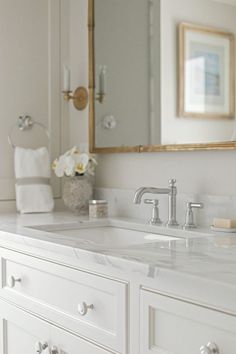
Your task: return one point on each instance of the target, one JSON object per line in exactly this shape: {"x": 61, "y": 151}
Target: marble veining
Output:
{"x": 201, "y": 256}
{"x": 206, "y": 256}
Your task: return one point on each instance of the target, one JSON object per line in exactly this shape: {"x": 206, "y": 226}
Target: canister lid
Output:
{"x": 98, "y": 202}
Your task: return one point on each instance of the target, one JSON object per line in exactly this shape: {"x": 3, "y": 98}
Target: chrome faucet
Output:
{"x": 171, "y": 192}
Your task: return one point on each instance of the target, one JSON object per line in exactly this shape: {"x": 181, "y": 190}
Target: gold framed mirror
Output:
{"x": 116, "y": 122}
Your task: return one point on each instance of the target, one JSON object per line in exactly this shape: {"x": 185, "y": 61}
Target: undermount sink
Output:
{"x": 103, "y": 235}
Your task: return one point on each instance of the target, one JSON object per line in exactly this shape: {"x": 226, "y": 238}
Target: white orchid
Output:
{"x": 70, "y": 166}
{"x": 59, "y": 166}
{"x": 74, "y": 163}
{"x": 81, "y": 163}
{"x": 92, "y": 165}
{"x": 73, "y": 151}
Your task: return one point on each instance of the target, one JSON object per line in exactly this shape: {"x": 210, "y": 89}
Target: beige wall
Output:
{"x": 212, "y": 173}
{"x": 41, "y": 37}
{"x": 30, "y": 80}
{"x": 74, "y": 54}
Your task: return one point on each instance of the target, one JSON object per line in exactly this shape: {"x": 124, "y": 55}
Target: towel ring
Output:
{"x": 25, "y": 123}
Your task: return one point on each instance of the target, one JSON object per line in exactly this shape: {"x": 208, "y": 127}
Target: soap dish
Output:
{"x": 222, "y": 229}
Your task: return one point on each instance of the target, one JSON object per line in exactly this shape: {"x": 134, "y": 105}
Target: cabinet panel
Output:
{"x": 56, "y": 292}
{"x": 21, "y": 331}
{"x": 170, "y": 326}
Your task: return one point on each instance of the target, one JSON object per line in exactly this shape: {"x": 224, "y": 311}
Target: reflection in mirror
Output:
{"x": 145, "y": 93}
{"x": 127, "y": 46}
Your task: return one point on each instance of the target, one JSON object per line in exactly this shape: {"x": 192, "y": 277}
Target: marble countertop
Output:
{"x": 201, "y": 260}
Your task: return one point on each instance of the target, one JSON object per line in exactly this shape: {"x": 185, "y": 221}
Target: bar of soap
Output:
{"x": 224, "y": 223}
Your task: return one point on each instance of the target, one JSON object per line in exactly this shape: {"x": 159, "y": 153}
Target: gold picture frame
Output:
{"x": 228, "y": 145}
{"x": 207, "y": 55}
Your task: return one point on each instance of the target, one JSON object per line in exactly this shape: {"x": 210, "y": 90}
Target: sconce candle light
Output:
{"x": 80, "y": 95}
{"x": 102, "y": 85}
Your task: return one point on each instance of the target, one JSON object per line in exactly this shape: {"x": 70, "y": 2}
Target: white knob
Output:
{"x": 40, "y": 347}
{"x": 11, "y": 281}
{"x": 210, "y": 348}
{"x": 83, "y": 308}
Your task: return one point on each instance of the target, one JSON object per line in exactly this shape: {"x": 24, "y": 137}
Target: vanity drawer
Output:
{"x": 171, "y": 326}
{"x": 61, "y": 294}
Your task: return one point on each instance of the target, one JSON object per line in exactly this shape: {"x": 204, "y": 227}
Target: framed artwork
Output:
{"x": 206, "y": 72}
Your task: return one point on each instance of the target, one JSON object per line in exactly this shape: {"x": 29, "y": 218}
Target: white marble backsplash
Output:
{"x": 121, "y": 205}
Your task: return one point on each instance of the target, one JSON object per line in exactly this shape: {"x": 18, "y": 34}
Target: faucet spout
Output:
{"x": 151, "y": 190}
{"x": 171, "y": 192}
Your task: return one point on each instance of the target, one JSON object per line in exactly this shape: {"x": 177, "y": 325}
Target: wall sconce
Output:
{"x": 80, "y": 95}
{"x": 100, "y": 97}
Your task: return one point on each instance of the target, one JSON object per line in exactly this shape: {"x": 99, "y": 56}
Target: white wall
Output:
{"x": 30, "y": 81}
{"x": 212, "y": 173}
{"x": 54, "y": 37}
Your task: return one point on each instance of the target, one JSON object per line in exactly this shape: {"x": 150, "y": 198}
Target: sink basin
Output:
{"x": 103, "y": 235}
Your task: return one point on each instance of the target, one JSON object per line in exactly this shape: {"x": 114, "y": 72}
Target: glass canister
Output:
{"x": 98, "y": 209}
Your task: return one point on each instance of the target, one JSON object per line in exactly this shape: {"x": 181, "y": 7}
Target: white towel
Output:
{"x": 32, "y": 172}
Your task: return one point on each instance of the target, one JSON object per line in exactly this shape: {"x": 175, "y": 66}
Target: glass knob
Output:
{"x": 210, "y": 348}
{"x": 83, "y": 308}
{"x": 11, "y": 281}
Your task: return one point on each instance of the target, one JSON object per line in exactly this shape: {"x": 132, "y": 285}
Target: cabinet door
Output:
{"x": 21, "y": 331}
{"x": 171, "y": 326}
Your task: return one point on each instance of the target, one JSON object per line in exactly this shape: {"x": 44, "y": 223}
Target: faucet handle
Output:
{"x": 189, "y": 221}
{"x": 191, "y": 205}
{"x": 154, "y": 202}
{"x": 155, "y": 220}
{"x": 172, "y": 182}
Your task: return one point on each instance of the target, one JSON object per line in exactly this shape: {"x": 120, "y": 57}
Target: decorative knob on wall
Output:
{"x": 210, "y": 348}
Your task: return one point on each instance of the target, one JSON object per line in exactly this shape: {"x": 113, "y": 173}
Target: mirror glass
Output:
{"x": 164, "y": 73}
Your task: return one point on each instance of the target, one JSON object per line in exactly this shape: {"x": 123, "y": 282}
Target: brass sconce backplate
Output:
{"x": 80, "y": 98}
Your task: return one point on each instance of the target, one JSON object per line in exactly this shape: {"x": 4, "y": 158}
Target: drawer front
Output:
{"x": 170, "y": 326}
{"x": 23, "y": 333}
{"x": 93, "y": 306}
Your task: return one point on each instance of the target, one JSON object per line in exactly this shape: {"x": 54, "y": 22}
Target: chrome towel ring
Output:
{"x": 25, "y": 122}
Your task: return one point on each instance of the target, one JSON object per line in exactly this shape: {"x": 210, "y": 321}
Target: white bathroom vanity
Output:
{"x": 160, "y": 291}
